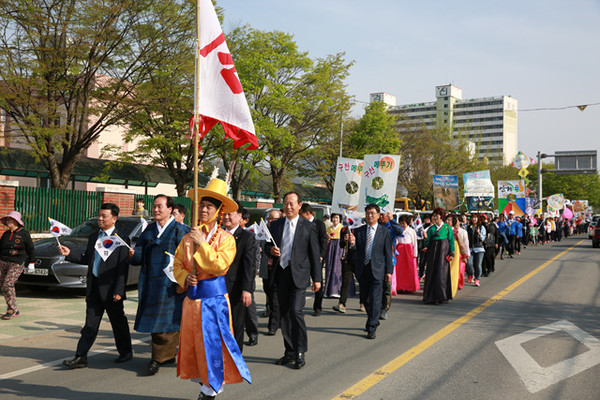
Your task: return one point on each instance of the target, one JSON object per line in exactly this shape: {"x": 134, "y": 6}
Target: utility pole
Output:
{"x": 341, "y": 137}
{"x": 539, "y": 160}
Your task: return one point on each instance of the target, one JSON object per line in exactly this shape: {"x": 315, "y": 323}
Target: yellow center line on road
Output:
{"x": 379, "y": 375}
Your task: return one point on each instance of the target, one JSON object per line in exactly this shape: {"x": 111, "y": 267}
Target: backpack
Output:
{"x": 489, "y": 240}
{"x": 490, "y": 237}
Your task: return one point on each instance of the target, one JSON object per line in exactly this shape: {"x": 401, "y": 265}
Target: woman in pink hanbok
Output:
{"x": 407, "y": 272}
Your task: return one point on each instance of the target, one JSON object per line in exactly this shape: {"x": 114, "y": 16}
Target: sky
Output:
{"x": 546, "y": 54}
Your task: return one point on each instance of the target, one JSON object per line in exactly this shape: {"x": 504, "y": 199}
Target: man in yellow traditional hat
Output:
{"x": 208, "y": 352}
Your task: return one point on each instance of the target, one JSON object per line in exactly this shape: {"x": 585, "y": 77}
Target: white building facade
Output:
{"x": 490, "y": 122}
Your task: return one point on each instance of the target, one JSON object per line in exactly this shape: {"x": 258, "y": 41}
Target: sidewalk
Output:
{"x": 63, "y": 309}
{"x": 55, "y": 309}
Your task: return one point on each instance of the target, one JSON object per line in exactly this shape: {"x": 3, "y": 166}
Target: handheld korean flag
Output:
{"x": 264, "y": 232}
{"x": 107, "y": 244}
{"x": 58, "y": 228}
{"x": 144, "y": 223}
{"x": 252, "y": 228}
{"x": 354, "y": 221}
{"x": 168, "y": 270}
{"x": 418, "y": 226}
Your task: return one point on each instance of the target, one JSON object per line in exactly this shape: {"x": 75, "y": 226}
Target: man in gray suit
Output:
{"x": 297, "y": 261}
{"x": 373, "y": 264}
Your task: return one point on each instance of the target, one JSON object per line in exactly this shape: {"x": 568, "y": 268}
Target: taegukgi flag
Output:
{"x": 107, "y": 244}
{"x": 144, "y": 223}
{"x": 221, "y": 97}
{"x": 354, "y": 221}
{"x": 58, "y": 228}
{"x": 252, "y": 228}
{"x": 168, "y": 270}
{"x": 263, "y": 232}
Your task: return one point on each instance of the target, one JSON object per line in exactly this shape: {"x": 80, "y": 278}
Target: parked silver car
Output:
{"x": 51, "y": 268}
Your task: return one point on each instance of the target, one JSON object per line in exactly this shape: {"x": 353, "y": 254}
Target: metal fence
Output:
{"x": 71, "y": 207}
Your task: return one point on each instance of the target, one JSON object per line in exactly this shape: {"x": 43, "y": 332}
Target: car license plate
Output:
{"x": 36, "y": 271}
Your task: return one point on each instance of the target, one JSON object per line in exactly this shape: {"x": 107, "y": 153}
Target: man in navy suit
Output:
{"x": 306, "y": 211}
{"x": 242, "y": 272}
{"x": 297, "y": 260}
{"x": 373, "y": 264}
{"x": 160, "y": 303}
{"x": 105, "y": 290}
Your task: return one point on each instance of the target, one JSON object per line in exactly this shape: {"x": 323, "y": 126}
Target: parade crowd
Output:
{"x": 196, "y": 285}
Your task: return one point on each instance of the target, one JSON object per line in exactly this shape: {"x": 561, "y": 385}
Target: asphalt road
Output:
{"x": 529, "y": 332}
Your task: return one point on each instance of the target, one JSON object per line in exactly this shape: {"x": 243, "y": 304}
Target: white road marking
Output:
{"x": 533, "y": 375}
{"x": 58, "y": 362}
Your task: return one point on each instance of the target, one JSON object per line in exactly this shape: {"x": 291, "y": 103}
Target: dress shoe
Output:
{"x": 77, "y": 362}
{"x": 169, "y": 361}
{"x": 300, "y": 361}
{"x": 371, "y": 335}
{"x": 124, "y": 358}
{"x": 316, "y": 313}
{"x": 153, "y": 367}
{"x": 253, "y": 341}
{"x": 287, "y": 359}
{"x": 271, "y": 332}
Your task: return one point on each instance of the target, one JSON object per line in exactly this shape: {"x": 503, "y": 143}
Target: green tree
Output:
{"x": 374, "y": 133}
{"x": 69, "y": 69}
{"x": 434, "y": 151}
{"x": 319, "y": 162}
{"x": 574, "y": 187}
{"x": 296, "y": 102}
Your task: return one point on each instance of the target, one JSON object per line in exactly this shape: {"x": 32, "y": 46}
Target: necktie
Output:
{"x": 286, "y": 246}
{"x": 97, "y": 258}
{"x": 369, "y": 245}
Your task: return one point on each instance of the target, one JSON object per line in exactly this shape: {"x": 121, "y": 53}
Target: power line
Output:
{"x": 581, "y": 107}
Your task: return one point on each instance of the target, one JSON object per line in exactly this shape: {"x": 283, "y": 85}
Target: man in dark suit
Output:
{"x": 251, "y": 323}
{"x": 297, "y": 260}
{"x": 373, "y": 264}
{"x": 267, "y": 272}
{"x": 306, "y": 212}
{"x": 105, "y": 290}
{"x": 241, "y": 273}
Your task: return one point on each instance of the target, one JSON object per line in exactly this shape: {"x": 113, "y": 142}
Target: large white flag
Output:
{"x": 346, "y": 188}
{"x": 107, "y": 244}
{"x": 221, "y": 97}
{"x": 379, "y": 181}
{"x": 58, "y": 228}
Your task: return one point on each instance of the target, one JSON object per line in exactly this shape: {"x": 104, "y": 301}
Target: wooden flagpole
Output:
{"x": 196, "y": 201}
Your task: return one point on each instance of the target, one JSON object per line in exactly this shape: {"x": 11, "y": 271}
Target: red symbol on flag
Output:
{"x": 228, "y": 74}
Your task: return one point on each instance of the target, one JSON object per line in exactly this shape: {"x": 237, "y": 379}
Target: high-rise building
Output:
{"x": 490, "y": 122}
